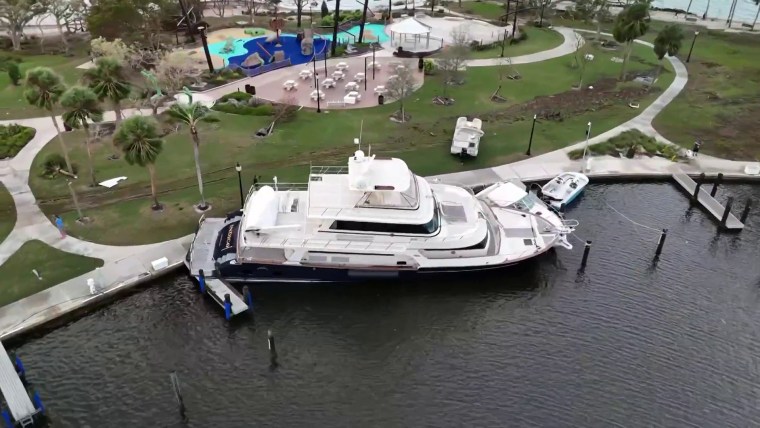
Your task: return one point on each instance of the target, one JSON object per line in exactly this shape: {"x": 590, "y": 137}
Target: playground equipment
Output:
{"x": 276, "y": 25}
{"x": 253, "y": 60}
{"x": 307, "y": 43}
{"x": 229, "y": 45}
{"x": 265, "y": 51}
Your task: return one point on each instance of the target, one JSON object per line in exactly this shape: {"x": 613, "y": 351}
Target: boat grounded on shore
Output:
{"x": 374, "y": 219}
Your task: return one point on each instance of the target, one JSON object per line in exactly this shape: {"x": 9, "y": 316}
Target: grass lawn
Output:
{"x": 721, "y": 102}
{"x": 55, "y": 266}
{"x": 12, "y": 102}
{"x": 486, "y": 10}
{"x": 7, "y": 213}
{"x": 539, "y": 39}
{"x": 122, "y": 215}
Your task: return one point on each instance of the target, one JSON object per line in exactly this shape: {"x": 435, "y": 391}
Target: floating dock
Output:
{"x": 219, "y": 289}
{"x": 15, "y": 394}
{"x": 708, "y": 202}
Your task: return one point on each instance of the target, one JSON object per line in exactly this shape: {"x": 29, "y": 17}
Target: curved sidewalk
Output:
{"x": 568, "y": 46}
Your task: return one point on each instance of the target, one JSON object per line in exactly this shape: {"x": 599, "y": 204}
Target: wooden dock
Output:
{"x": 708, "y": 202}
{"x": 14, "y": 392}
{"x": 217, "y": 289}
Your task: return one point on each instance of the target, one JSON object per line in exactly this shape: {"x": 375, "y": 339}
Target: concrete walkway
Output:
{"x": 568, "y": 46}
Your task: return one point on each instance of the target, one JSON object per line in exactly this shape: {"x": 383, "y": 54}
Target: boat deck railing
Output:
{"x": 331, "y": 169}
{"x": 333, "y": 244}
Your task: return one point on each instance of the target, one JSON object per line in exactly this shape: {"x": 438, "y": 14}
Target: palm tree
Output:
{"x": 336, "y": 23}
{"x": 140, "y": 140}
{"x": 667, "y": 42}
{"x": 108, "y": 82}
{"x": 364, "y": 20}
{"x": 43, "y": 89}
{"x": 191, "y": 115}
{"x": 82, "y": 106}
{"x": 631, "y": 23}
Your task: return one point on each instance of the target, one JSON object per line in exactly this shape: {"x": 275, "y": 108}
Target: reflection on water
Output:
{"x": 626, "y": 343}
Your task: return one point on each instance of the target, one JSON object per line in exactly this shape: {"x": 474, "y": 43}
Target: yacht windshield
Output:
{"x": 527, "y": 202}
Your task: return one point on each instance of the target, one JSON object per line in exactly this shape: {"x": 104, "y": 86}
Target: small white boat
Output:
{"x": 467, "y": 134}
{"x": 564, "y": 188}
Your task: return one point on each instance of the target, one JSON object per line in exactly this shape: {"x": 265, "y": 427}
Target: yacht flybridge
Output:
{"x": 374, "y": 219}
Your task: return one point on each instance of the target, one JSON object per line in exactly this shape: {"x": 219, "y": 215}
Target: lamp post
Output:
{"x": 201, "y": 27}
{"x": 315, "y": 71}
{"x": 319, "y": 93}
{"x": 324, "y": 53}
{"x": 585, "y": 148}
{"x": 504, "y": 39}
{"x": 239, "y": 168}
{"x": 365, "y": 73}
{"x": 374, "y": 64}
{"x": 541, "y": 19}
{"x": 514, "y": 23}
{"x": 532, "y": 128}
{"x": 688, "y": 57}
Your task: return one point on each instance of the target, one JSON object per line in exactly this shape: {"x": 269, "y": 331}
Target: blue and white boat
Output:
{"x": 564, "y": 189}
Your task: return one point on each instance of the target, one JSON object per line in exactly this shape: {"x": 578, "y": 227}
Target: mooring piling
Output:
{"x": 178, "y": 394}
{"x": 270, "y": 341}
{"x": 37, "y": 401}
{"x": 700, "y": 180}
{"x": 745, "y": 213}
{"x": 586, "y": 250}
{"x": 20, "y": 368}
{"x": 727, "y": 211}
{"x": 227, "y": 307}
{"x": 661, "y": 243}
{"x": 716, "y": 184}
{"x": 248, "y": 297}
{"x": 202, "y": 281}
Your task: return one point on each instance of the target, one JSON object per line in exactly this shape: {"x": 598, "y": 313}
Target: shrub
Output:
{"x": 246, "y": 110}
{"x": 53, "y": 163}
{"x": 14, "y": 73}
{"x": 428, "y": 66}
{"x": 5, "y": 60}
{"x": 13, "y": 138}
{"x": 340, "y": 50}
{"x": 237, "y": 96}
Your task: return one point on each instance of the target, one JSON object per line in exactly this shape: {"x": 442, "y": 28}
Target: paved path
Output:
{"x": 568, "y": 46}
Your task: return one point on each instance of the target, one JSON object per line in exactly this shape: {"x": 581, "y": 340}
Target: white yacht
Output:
{"x": 374, "y": 219}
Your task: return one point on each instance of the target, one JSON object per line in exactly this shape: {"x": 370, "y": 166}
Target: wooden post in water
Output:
{"x": 745, "y": 213}
{"x": 700, "y": 180}
{"x": 586, "y": 250}
{"x": 178, "y": 394}
{"x": 726, "y": 213}
{"x": 661, "y": 243}
{"x": 716, "y": 184}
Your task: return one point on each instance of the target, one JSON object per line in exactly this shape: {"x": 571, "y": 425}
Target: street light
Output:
{"x": 319, "y": 93}
{"x": 532, "y": 128}
{"x": 201, "y": 27}
{"x": 365, "y": 73}
{"x": 688, "y": 57}
{"x": 315, "y": 71}
{"x": 239, "y": 168}
{"x": 585, "y": 148}
{"x": 374, "y": 64}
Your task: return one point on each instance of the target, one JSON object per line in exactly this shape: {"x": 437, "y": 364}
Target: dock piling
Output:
{"x": 202, "y": 281}
{"x": 586, "y": 250}
{"x": 227, "y": 307}
{"x": 178, "y": 394}
{"x": 727, "y": 211}
{"x": 248, "y": 297}
{"x": 270, "y": 341}
{"x": 716, "y": 184}
{"x": 745, "y": 213}
{"x": 661, "y": 243}
{"x": 37, "y": 401}
{"x": 700, "y": 180}
{"x": 20, "y": 368}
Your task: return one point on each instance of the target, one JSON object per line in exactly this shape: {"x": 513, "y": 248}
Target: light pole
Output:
{"x": 365, "y": 72}
{"x": 541, "y": 19}
{"x": 374, "y": 64}
{"x": 532, "y": 128}
{"x": 201, "y": 27}
{"x": 688, "y": 57}
{"x": 585, "y": 148}
{"x": 315, "y": 71}
{"x": 324, "y": 53}
{"x": 239, "y": 168}
{"x": 319, "y": 94}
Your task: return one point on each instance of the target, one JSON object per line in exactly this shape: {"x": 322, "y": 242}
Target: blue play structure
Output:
{"x": 288, "y": 43}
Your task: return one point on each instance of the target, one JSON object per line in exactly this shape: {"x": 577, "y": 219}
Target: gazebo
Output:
{"x": 409, "y": 30}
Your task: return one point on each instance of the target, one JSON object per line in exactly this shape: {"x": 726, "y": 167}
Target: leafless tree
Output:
{"x": 454, "y": 57}
{"x": 175, "y": 70}
{"x": 15, "y": 14}
{"x": 252, "y": 7}
{"x": 61, "y": 11}
{"x": 300, "y": 4}
{"x": 401, "y": 87}
{"x": 220, "y": 6}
